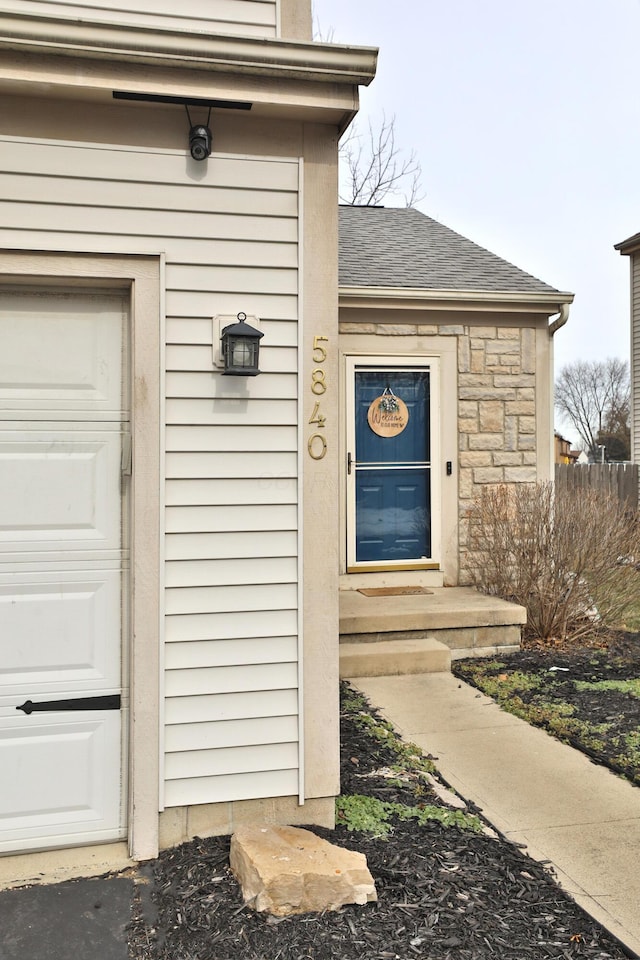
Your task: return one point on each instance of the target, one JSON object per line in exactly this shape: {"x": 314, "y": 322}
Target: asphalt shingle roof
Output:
{"x": 401, "y": 247}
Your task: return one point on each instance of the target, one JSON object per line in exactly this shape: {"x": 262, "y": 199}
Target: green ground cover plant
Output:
{"x": 587, "y": 697}
{"x": 403, "y": 770}
{"x": 631, "y": 686}
{"x": 408, "y": 756}
{"x": 357, "y": 812}
{"x": 448, "y": 887}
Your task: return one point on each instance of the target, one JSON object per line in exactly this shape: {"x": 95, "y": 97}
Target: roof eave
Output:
{"x": 546, "y": 303}
{"x": 320, "y": 62}
{"x": 625, "y": 247}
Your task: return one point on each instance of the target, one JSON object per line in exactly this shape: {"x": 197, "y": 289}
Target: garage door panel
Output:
{"x": 58, "y": 488}
{"x": 59, "y": 631}
{"x": 35, "y": 801}
{"x": 65, "y": 350}
{"x": 64, "y": 403}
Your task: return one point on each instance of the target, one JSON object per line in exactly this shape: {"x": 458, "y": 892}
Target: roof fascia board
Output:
{"x": 410, "y": 299}
{"x": 137, "y": 44}
{"x": 629, "y": 246}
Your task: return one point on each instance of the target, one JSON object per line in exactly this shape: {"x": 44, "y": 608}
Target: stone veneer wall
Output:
{"x": 496, "y": 404}
{"x": 496, "y": 413}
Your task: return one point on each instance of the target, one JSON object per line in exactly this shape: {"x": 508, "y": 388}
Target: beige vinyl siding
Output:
{"x": 250, "y": 18}
{"x": 259, "y": 490}
{"x": 261, "y": 625}
{"x": 232, "y": 733}
{"x": 231, "y": 542}
{"x": 202, "y": 572}
{"x": 213, "y": 546}
{"x": 230, "y": 599}
{"x": 229, "y": 652}
{"x": 253, "y": 705}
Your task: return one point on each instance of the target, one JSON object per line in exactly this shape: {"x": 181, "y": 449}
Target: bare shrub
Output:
{"x": 568, "y": 558}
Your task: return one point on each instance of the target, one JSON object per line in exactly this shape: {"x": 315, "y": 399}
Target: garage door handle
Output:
{"x": 81, "y": 703}
{"x": 126, "y": 459}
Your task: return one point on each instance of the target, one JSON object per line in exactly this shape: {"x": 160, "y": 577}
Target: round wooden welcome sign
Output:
{"x": 388, "y": 415}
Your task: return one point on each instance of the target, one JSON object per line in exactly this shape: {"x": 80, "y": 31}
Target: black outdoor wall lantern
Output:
{"x": 240, "y": 348}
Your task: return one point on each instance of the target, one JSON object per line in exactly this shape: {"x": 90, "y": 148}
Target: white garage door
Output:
{"x": 63, "y": 562}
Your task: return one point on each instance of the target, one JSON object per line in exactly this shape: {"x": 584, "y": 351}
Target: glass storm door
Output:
{"x": 389, "y": 465}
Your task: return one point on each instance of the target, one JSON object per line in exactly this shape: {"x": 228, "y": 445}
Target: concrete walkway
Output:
{"x": 533, "y": 789}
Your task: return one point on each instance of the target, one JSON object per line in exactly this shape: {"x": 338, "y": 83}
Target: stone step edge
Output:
{"x": 432, "y": 620}
{"x": 385, "y": 658}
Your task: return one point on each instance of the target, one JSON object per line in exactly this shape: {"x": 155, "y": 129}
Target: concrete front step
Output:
{"x": 386, "y": 658}
{"x": 462, "y": 619}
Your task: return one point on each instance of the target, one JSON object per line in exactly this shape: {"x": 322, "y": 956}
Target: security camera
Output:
{"x": 200, "y": 142}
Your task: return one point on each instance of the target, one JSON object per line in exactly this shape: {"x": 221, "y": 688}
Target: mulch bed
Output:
{"x": 602, "y": 723}
{"x": 443, "y": 893}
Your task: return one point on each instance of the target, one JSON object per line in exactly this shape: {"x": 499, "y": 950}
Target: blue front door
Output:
{"x": 392, "y": 472}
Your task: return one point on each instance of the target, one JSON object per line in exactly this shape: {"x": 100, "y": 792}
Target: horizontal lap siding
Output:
{"x": 252, "y": 705}
{"x": 243, "y": 17}
{"x": 191, "y": 654}
{"x": 208, "y": 572}
{"x": 231, "y": 458}
{"x": 279, "y": 334}
{"x": 232, "y": 519}
{"x": 262, "y": 625}
{"x": 216, "y": 546}
{"x": 264, "y": 490}
{"x": 227, "y": 599}
{"x": 247, "y": 786}
{"x": 225, "y": 679}
{"x": 230, "y": 733}
{"x": 186, "y": 358}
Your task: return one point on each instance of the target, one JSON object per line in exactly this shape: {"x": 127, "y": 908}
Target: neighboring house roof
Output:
{"x": 629, "y": 245}
{"x": 403, "y": 248}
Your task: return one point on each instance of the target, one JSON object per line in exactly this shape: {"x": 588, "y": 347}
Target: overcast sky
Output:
{"x": 525, "y": 116}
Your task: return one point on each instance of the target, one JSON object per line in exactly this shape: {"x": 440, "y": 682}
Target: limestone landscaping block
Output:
{"x": 287, "y": 870}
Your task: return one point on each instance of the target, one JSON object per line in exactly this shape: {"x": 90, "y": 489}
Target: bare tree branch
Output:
{"x": 375, "y": 167}
{"x": 372, "y": 166}
{"x": 594, "y": 396}
{"x": 557, "y": 552}
{"x": 322, "y": 36}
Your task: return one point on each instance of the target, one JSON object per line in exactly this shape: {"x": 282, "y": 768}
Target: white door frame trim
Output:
{"x": 140, "y": 275}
